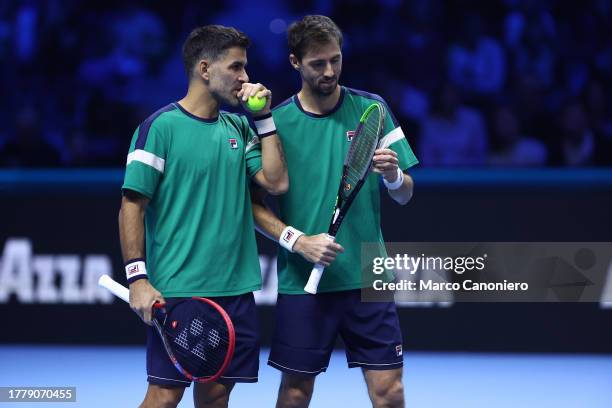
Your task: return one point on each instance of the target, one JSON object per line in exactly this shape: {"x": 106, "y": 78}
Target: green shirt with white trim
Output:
{"x": 315, "y": 147}
{"x": 200, "y": 238}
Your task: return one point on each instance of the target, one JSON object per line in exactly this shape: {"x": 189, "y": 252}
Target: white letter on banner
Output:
{"x": 16, "y": 271}
{"x": 68, "y": 266}
{"x": 605, "y": 301}
{"x": 46, "y": 292}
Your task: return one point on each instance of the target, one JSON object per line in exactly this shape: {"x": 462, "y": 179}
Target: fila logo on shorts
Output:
{"x": 287, "y": 236}
{"x": 398, "y": 350}
{"x": 349, "y": 135}
{"x": 233, "y": 143}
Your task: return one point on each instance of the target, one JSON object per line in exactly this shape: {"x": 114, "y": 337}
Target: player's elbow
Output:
{"x": 274, "y": 184}
{"x": 402, "y": 197}
{"x": 406, "y": 191}
{"x": 279, "y": 187}
{"x": 405, "y": 198}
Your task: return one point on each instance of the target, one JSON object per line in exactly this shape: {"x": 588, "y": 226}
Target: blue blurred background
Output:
{"x": 473, "y": 83}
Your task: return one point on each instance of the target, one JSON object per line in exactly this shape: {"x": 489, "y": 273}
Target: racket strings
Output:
{"x": 202, "y": 355}
{"x": 361, "y": 150}
{"x": 198, "y": 342}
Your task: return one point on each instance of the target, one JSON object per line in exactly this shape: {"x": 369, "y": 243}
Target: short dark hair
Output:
{"x": 210, "y": 42}
{"x": 312, "y": 30}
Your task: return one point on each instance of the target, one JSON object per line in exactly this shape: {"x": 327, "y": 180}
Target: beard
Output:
{"x": 225, "y": 97}
{"x": 326, "y": 88}
{"x": 323, "y": 88}
{"x": 224, "y": 91}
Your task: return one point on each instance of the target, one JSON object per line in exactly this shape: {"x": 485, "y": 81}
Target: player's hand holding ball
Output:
{"x": 255, "y": 98}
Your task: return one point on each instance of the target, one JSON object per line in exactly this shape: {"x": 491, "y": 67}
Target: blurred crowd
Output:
{"x": 508, "y": 83}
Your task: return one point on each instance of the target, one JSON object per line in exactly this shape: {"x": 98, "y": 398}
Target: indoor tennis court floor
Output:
{"x": 114, "y": 377}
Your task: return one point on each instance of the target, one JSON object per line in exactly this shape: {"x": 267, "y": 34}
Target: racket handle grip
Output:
{"x": 313, "y": 280}
{"x": 114, "y": 287}
{"x": 317, "y": 271}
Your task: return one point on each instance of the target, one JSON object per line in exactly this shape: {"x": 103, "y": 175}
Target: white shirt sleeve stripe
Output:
{"x": 254, "y": 142}
{"x": 147, "y": 158}
{"x": 391, "y": 137}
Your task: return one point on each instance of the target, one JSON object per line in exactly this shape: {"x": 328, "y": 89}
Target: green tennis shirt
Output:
{"x": 315, "y": 147}
{"x": 200, "y": 238}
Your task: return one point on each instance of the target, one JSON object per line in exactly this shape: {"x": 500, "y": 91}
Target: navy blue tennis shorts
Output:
{"x": 245, "y": 363}
{"x": 307, "y": 327}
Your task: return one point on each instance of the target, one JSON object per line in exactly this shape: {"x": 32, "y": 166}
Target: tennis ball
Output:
{"x": 255, "y": 104}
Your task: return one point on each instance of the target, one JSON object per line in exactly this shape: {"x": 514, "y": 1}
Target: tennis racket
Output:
{"x": 354, "y": 172}
{"x": 197, "y": 333}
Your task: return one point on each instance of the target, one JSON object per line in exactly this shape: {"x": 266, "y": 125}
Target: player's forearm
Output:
{"x": 404, "y": 193}
{"x": 266, "y": 221}
{"x": 274, "y": 167}
{"x": 131, "y": 229}
{"x": 316, "y": 249}
{"x": 273, "y": 175}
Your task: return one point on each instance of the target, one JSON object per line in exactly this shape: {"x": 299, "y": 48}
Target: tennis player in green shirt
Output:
{"x": 186, "y": 223}
{"x": 315, "y": 127}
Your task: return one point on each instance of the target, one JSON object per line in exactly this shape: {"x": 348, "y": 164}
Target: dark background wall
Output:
{"x": 72, "y": 215}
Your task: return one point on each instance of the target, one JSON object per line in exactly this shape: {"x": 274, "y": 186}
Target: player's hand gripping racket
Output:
{"x": 354, "y": 172}
{"x": 197, "y": 333}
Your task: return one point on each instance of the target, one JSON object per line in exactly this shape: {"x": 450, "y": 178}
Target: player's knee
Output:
{"x": 295, "y": 391}
{"x": 389, "y": 394}
{"x": 162, "y": 397}
{"x": 211, "y": 394}
{"x": 212, "y": 400}
{"x": 295, "y": 397}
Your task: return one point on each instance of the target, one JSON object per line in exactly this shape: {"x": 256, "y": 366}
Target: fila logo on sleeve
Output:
{"x": 233, "y": 143}
{"x": 288, "y": 236}
{"x": 349, "y": 135}
{"x": 398, "y": 350}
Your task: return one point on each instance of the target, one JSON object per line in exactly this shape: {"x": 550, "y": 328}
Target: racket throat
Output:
{"x": 336, "y": 214}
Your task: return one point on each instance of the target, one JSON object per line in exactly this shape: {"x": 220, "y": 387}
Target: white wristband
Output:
{"x": 135, "y": 270}
{"x": 265, "y": 126}
{"x": 398, "y": 181}
{"x": 288, "y": 238}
